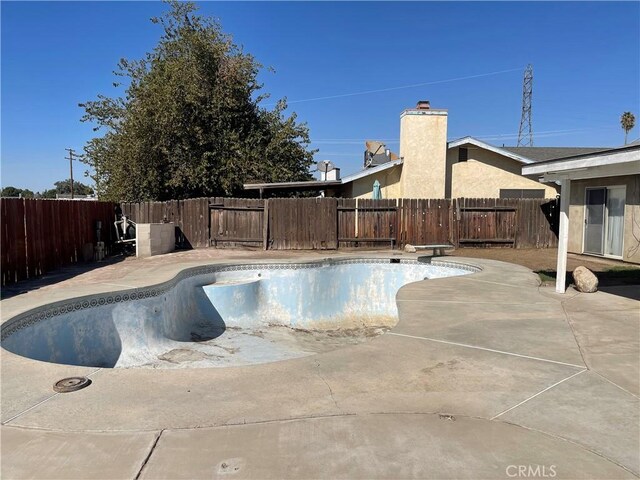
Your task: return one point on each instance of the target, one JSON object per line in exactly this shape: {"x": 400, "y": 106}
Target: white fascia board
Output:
{"x": 491, "y": 148}
{"x": 311, "y": 183}
{"x": 621, "y": 161}
{"x": 600, "y": 171}
{"x": 371, "y": 171}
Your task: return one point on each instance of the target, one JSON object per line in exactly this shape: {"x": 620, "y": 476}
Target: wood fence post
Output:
{"x": 517, "y": 220}
{"x": 265, "y": 223}
{"x": 458, "y": 220}
{"x": 398, "y": 226}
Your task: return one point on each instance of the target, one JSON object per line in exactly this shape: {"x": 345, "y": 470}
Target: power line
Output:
{"x": 496, "y": 136}
{"x": 366, "y": 92}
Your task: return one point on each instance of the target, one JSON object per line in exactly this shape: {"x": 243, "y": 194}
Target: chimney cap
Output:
{"x": 423, "y": 105}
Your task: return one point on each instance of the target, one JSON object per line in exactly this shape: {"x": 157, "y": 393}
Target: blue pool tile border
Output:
{"x": 45, "y": 312}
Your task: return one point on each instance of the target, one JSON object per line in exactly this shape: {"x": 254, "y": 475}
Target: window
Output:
{"x": 521, "y": 193}
{"x": 463, "y": 154}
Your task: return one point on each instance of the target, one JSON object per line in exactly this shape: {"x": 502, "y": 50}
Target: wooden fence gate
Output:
{"x": 519, "y": 223}
{"x": 484, "y": 221}
{"x": 367, "y": 223}
{"x": 302, "y": 223}
{"x": 237, "y": 222}
{"x": 425, "y": 221}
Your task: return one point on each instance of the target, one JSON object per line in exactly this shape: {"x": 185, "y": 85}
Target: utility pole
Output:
{"x": 526, "y": 130}
{"x": 71, "y": 153}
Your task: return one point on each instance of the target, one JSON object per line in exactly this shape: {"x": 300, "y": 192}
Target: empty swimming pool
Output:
{"x": 223, "y": 315}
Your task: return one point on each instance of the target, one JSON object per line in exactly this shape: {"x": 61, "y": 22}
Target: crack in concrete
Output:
{"x": 6, "y": 422}
{"x": 148, "y": 457}
{"x": 573, "y": 332}
{"x": 575, "y": 337}
{"x": 537, "y": 394}
{"x": 576, "y": 443}
{"x": 615, "y": 384}
{"x": 30, "y": 408}
{"x": 457, "y": 344}
{"x": 328, "y": 386}
{"x": 323, "y": 417}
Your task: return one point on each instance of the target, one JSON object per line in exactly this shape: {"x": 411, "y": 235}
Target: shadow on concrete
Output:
{"x": 628, "y": 291}
{"x": 55, "y": 276}
{"x": 621, "y": 282}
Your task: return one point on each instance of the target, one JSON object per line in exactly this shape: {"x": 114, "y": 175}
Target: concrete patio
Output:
{"x": 487, "y": 375}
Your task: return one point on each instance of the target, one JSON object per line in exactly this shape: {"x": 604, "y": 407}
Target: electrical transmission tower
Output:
{"x": 525, "y": 132}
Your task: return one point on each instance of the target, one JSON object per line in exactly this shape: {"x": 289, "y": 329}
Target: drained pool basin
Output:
{"x": 222, "y": 315}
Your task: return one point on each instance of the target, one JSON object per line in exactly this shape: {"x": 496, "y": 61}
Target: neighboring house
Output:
{"x": 67, "y": 196}
{"x": 429, "y": 167}
{"x": 600, "y": 203}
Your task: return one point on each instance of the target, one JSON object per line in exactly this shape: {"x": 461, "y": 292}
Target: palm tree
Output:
{"x": 628, "y": 121}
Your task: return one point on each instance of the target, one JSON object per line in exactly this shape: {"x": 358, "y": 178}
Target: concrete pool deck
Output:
{"x": 485, "y": 376}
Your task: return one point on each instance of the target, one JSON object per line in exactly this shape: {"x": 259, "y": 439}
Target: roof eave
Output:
{"x": 371, "y": 171}
{"x": 480, "y": 144}
{"x": 286, "y": 185}
{"x": 599, "y": 164}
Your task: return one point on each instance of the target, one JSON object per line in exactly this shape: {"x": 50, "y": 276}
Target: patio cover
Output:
{"x": 608, "y": 163}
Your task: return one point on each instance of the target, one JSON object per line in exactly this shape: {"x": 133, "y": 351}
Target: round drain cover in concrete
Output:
{"x": 71, "y": 384}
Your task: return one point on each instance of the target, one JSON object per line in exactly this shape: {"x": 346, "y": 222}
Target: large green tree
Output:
{"x": 16, "y": 192}
{"x": 190, "y": 122}
{"x": 63, "y": 187}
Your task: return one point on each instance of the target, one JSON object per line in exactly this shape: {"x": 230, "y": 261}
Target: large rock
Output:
{"x": 585, "y": 280}
{"x": 409, "y": 248}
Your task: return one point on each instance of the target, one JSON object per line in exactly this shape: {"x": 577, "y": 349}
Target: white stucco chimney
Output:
{"x": 423, "y": 148}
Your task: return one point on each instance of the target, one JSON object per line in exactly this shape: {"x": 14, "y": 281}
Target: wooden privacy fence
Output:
{"x": 519, "y": 223}
{"x": 41, "y": 235}
{"x": 191, "y": 218}
{"x": 330, "y": 223}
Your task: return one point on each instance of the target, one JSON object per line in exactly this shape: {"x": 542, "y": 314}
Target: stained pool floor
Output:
{"x": 485, "y": 376}
{"x": 249, "y": 346}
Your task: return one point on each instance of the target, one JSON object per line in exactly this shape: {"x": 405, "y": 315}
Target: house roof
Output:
{"x": 612, "y": 162}
{"x": 528, "y": 155}
{"x": 542, "y": 154}
{"x": 310, "y": 185}
{"x": 322, "y": 184}
{"x": 486, "y": 146}
{"x": 371, "y": 171}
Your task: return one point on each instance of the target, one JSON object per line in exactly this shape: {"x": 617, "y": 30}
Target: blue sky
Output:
{"x": 586, "y": 59}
